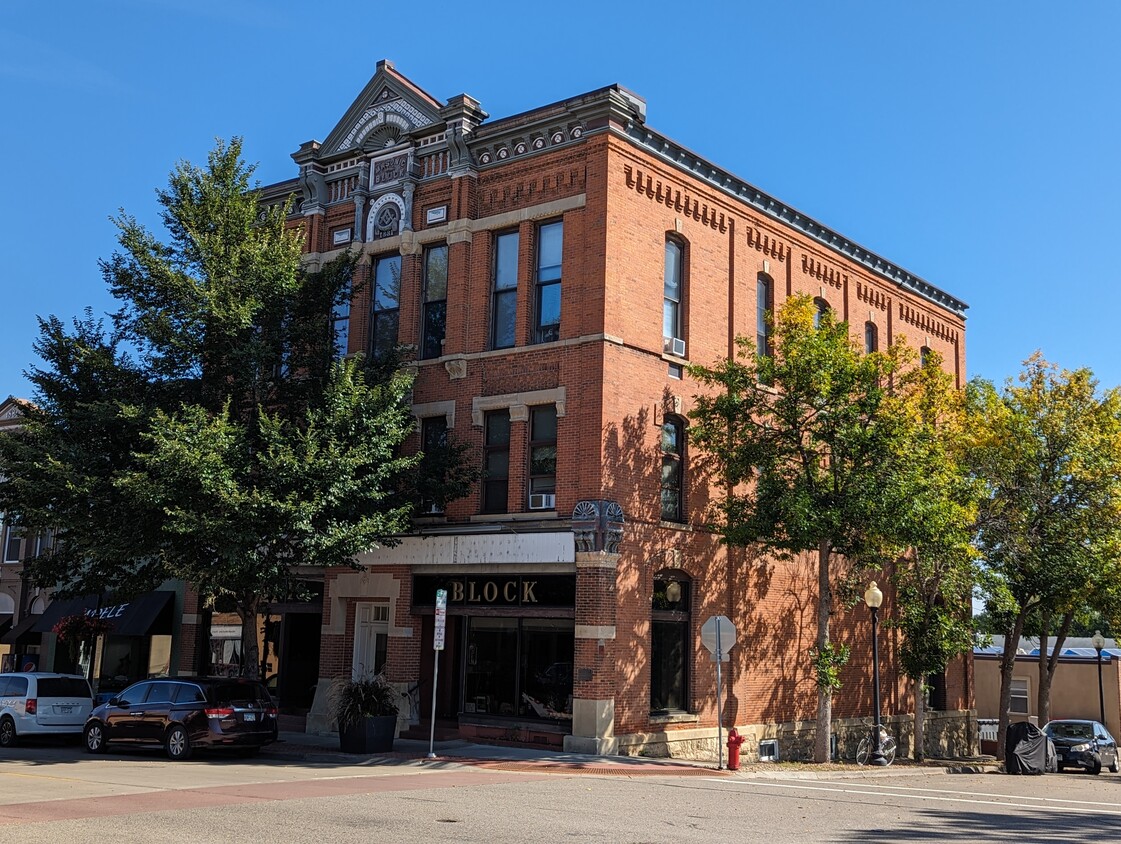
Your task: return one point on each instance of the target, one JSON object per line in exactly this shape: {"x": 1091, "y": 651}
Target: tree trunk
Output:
{"x": 824, "y": 694}
{"x": 1007, "y": 663}
{"x": 920, "y": 719}
{"x": 247, "y": 609}
{"x": 1047, "y": 667}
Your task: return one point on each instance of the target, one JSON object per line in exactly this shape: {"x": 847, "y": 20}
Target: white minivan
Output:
{"x": 38, "y": 704}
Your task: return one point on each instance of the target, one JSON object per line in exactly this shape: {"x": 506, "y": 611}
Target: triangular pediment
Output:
{"x": 389, "y": 107}
{"x": 11, "y": 412}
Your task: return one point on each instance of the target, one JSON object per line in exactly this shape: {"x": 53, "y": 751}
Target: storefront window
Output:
{"x": 546, "y": 677}
{"x": 490, "y": 687}
{"x": 121, "y": 662}
{"x": 543, "y": 650}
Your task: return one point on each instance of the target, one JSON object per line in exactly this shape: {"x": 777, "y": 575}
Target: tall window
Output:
{"x": 340, "y": 322}
{"x": 387, "y": 303}
{"x": 1018, "y": 704}
{"x": 550, "y": 238}
{"x": 672, "y": 327}
{"x": 44, "y": 542}
{"x": 13, "y": 536}
{"x": 821, "y": 308}
{"x": 673, "y": 456}
{"x": 496, "y": 448}
{"x": 764, "y": 304}
{"x": 871, "y": 337}
{"x": 924, "y": 355}
{"x": 505, "y": 305}
{"x": 543, "y": 457}
{"x": 433, "y": 442}
{"x": 669, "y": 645}
{"x": 435, "y": 314}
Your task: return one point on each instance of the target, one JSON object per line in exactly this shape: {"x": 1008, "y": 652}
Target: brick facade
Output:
{"x": 621, "y": 190}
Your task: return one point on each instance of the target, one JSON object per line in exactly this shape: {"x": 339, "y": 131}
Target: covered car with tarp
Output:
{"x": 1027, "y": 750}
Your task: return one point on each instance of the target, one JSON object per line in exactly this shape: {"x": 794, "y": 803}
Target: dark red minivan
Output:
{"x": 183, "y": 714}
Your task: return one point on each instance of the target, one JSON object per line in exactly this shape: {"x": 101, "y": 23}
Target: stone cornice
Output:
{"x": 689, "y": 162}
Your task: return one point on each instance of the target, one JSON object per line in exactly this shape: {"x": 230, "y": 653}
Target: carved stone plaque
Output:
{"x": 391, "y": 169}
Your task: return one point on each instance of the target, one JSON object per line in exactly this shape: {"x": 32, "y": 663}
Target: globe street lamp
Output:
{"x": 1098, "y": 642}
{"x": 873, "y": 598}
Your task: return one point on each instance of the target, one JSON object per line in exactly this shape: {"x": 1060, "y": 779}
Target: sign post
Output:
{"x": 437, "y": 646}
{"x": 718, "y": 634}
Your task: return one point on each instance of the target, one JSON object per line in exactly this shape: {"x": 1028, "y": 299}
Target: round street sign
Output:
{"x": 718, "y": 627}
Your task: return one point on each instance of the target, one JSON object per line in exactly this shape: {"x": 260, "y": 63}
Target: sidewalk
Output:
{"x": 325, "y": 749}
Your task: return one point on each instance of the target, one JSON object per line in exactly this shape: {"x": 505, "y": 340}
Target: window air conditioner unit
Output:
{"x": 542, "y": 501}
{"x": 675, "y": 346}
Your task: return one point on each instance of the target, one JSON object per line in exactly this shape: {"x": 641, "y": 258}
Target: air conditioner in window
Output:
{"x": 542, "y": 501}
{"x": 675, "y": 346}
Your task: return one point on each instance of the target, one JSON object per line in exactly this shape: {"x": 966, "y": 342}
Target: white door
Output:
{"x": 371, "y": 632}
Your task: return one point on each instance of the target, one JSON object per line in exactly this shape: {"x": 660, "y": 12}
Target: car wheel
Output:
{"x": 178, "y": 744}
{"x": 1114, "y": 767}
{"x": 94, "y": 735}
{"x": 8, "y": 736}
{"x": 1096, "y": 766}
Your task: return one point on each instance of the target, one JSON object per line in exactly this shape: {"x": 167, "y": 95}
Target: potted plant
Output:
{"x": 365, "y": 709}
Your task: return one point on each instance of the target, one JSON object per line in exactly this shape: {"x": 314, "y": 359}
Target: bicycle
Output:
{"x": 887, "y": 747}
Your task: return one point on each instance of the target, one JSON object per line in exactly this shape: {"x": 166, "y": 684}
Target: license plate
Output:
{"x": 66, "y": 709}
{"x": 250, "y": 716}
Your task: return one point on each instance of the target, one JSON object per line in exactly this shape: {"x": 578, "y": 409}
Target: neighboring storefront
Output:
{"x": 138, "y": 645}
{"x": 287, "y": 646}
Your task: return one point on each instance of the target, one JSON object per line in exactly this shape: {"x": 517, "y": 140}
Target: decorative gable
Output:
{"x": 11, "y": 413}
{"x": 389, "y": 108}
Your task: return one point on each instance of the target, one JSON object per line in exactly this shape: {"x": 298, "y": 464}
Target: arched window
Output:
{"x": 673, "y": 470}
{"x": 673, "y": 288}
{"x": 821, "y": 308}
{"x": 871, "y": 337}
{"x": 670, "y": 653}
{"x": 764, "y": 304}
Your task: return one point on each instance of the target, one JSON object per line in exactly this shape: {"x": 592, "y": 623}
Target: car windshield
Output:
{"x": 1076, "y": 731}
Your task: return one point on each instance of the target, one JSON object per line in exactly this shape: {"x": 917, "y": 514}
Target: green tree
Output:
{"x": 807, "y": 446}
{"x": 1049, "y": 453}
{"x": 231, "y": 446}
{"x": 934, "y": 579}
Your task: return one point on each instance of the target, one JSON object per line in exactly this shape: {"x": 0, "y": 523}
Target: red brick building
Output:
{"x": 556, "y": 270}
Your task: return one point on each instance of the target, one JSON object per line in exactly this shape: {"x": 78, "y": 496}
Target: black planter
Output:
{"x": 373, "y": 734}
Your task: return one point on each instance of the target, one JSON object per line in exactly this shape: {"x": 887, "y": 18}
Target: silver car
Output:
{"x": 41, "y": 704}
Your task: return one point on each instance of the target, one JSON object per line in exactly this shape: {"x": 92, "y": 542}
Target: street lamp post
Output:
{"x": 1099, "y": 642}
{"x": 873, "y": 598}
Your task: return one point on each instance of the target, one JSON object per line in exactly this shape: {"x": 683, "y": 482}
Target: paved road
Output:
{"x": 58, "y": 794}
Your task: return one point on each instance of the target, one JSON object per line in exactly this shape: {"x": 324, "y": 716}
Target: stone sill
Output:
{"x": 676, "y": 718}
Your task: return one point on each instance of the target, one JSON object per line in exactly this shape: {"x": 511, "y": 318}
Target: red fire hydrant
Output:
{"x": 734, "y": 742}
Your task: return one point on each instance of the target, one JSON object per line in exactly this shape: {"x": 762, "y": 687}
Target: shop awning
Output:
{"x": 129, "y": 618}
{"x": 141, "y": 614}
{"x": 59, "y": 608}
{"x": 21, "y": 631}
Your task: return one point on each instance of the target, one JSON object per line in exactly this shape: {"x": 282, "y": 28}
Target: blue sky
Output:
{"x": 974, "y": 143}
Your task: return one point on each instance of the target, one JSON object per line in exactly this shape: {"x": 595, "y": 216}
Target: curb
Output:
{"x": 903, "y": 771}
